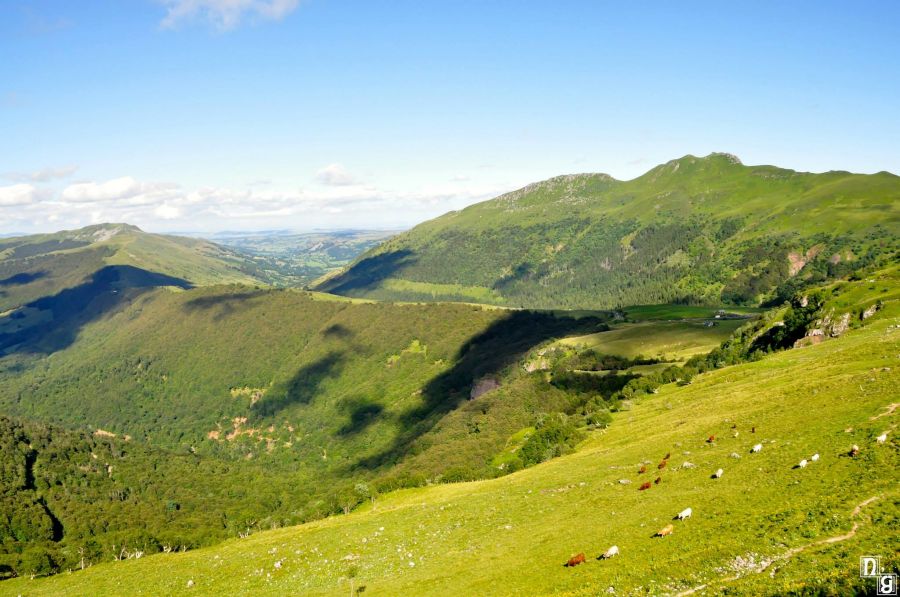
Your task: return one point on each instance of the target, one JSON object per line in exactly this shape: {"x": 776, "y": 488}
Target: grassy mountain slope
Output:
{"x": 704, "y": 230}
{"x": 41, "y": 265}
{"x": 765, "y": 527}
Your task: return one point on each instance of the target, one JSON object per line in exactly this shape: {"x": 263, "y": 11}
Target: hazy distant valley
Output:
{"x": 285, "y": 258}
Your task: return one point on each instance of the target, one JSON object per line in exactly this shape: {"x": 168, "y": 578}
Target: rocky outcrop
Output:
{"x": 870, "y": 311}
{"x": 483, "y": 386}
{"x": 797, "y": 261}
{"x": 840, "y": 326}
{"x": 829, "y": 326}
{"x": 538, "y": 364}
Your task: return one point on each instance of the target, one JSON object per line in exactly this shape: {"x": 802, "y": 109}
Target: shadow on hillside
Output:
{"x": 60, "y": 317}
{"x": 337, "y": 330}
{"x": 363, "y": 412}
{"x": 304, "y": 385}
{"x": 225, "y": 303}
{"x": 23, "y": 278}
{"x": 369, "y": 272}
{"x": 484, "y": 355}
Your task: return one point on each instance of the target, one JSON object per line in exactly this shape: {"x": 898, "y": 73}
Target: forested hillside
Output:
{"x": 694, "y": 230}
{"x": 72, "y": 499}
{"x": 212, "y": 393}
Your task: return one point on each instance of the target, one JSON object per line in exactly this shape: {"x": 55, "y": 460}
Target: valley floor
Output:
{"x": 764, "y": 527}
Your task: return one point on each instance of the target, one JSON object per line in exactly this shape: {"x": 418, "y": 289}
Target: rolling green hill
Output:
{"x": 694, "y": 230}
{"x": 32, "y": 267}
{"x": 765, "y": 527}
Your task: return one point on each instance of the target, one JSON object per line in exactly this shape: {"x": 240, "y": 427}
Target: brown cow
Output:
{"x": 667, "y": 530}
{"x": 667, "y": 456}
{"x": 643, "y": 469}
{"x": 661, "y": 465}
{"x": 575, "y": 560}
{"x": 644, "y": 486}
{"x": 753, "y": 430}
{"x": 711, "y": 439}
{"x": 658, "y": 480}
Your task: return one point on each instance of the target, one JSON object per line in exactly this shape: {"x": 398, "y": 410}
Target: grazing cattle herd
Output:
{"x": 688, "y": 512}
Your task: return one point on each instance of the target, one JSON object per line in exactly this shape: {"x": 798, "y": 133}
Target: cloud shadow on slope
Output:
{"x": 60, "y": 317}
{"x": 368, "y": 273}
{"x": 487, "y": 354}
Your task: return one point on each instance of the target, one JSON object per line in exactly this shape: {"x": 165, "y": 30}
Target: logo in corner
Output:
{"x": 885, "y": 583}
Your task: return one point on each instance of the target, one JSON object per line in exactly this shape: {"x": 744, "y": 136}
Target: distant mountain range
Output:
{"x": 699, "y": 230}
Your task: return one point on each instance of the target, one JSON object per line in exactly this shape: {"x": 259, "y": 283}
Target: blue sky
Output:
{"x": 204, "y": 115}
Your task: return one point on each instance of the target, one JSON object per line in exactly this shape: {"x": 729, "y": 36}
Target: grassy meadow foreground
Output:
{"x": 764, "y": 527}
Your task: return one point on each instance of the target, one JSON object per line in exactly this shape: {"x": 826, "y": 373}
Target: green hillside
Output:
{"x": 145, "y": 411}
{"x": 325, "y": 401}
{"x": 42, "y": 265}
{"x": 765, "y": 527}
{"x": 694, "y": 230}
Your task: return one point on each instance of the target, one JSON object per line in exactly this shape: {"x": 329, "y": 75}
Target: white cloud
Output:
{"x": 225, "y": 14}
{"x": 166, "y": 206}
{"x": 117, "y": 188}
{"x": 44, "y": 175}
{"x": 335, "y": 175}
{"x": 167, "y": 212}
{"x": 17, "y": 194}
{"x": 122, "y": 192}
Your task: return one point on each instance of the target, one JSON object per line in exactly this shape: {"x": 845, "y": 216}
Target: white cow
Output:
{"x": 815, "y": 457}
{"x": 612, "y": 551}
{"x": 718, "y": 474}
{"x": 756, "y": 448}
{"x": 881, "y": 438}
{"x": 802, "y": 464}
{"x": 686, "y": 513}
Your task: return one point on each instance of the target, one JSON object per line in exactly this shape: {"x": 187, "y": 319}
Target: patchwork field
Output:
{"x": 764, "y": 527}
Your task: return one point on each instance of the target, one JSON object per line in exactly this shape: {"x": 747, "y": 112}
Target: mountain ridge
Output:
{"x": 697, "y": 230}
